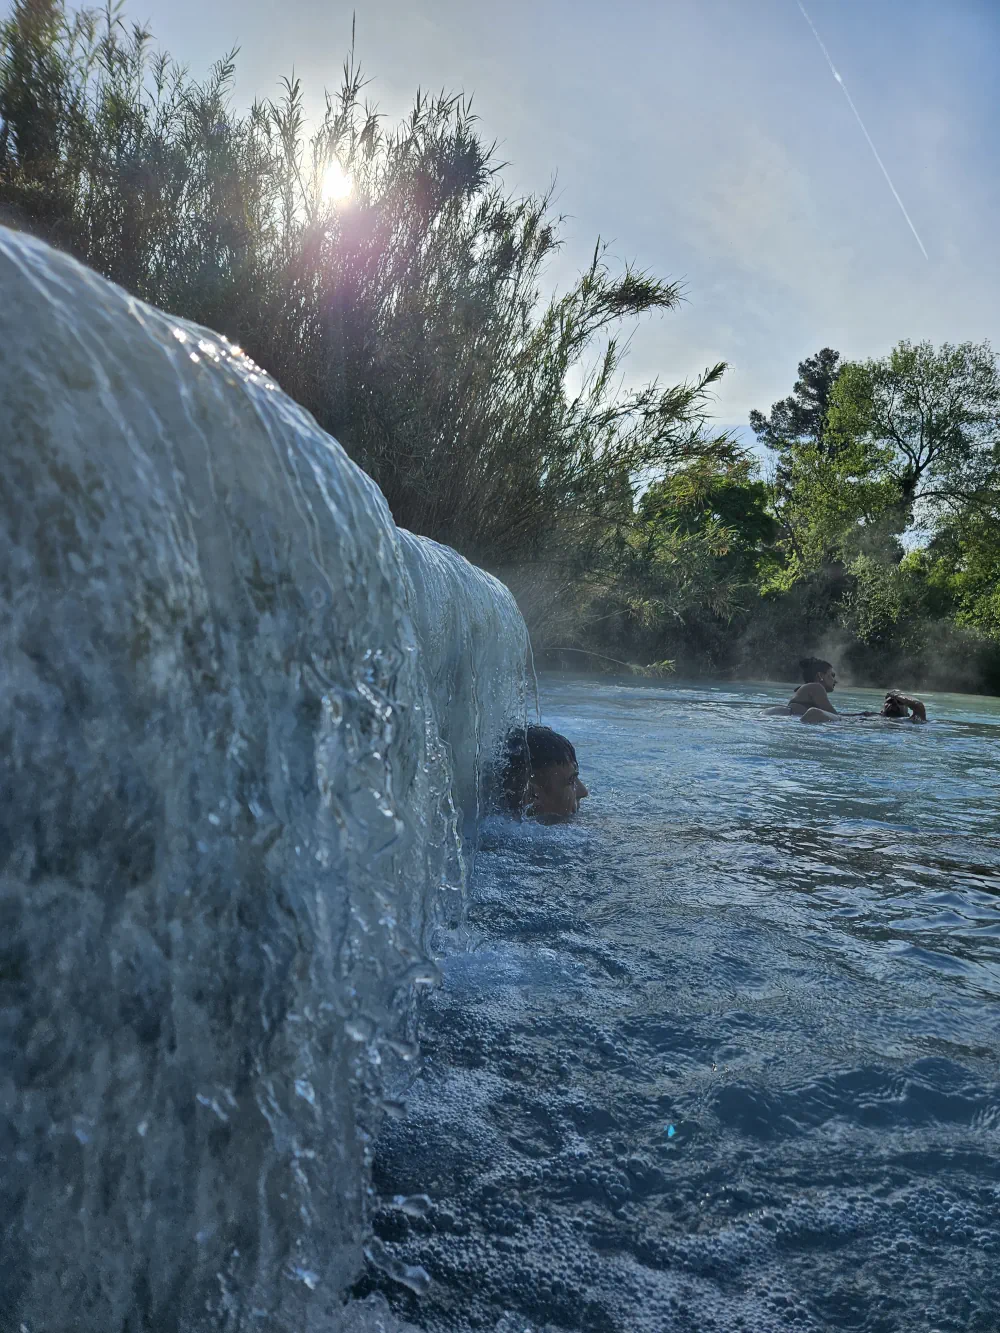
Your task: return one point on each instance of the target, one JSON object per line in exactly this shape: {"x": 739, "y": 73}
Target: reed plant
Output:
{"x": 408, "y": 317}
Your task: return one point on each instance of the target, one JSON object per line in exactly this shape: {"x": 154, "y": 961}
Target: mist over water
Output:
{"x": 722, "y": 1054}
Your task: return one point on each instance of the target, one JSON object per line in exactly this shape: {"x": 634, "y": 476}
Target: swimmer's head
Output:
{"x": 894, "y": 706}
{"x": 816, "y": 669}
{"x": 541, "y": 775}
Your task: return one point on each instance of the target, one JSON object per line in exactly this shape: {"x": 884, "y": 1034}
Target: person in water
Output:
{"x": 811, "y": 701}
{"x": 541, "y": 775}
{"x": 903, "y": 708}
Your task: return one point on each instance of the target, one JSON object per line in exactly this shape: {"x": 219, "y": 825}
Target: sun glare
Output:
{"x": 337, "y": 183}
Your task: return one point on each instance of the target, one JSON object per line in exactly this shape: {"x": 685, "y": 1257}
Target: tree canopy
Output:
{"x": 413, "y": 319}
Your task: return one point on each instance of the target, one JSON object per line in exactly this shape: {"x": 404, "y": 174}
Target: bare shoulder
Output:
{"x": 813, "y": 694}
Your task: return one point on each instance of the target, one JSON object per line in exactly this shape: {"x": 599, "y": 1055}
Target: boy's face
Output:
{"x": 558, "y": 791}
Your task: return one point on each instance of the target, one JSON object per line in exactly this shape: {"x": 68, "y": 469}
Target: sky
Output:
{"x": 706, "y": 140}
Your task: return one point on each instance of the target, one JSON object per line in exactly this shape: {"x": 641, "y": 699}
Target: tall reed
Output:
{"x": 408, "y": 318}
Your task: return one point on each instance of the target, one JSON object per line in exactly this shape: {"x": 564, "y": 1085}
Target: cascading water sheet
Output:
{"x": 228, "y": 824}
{"x": 477, "y": 651}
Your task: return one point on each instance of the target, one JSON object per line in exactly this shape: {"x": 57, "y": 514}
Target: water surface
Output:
{"x": 723, "y": 1054}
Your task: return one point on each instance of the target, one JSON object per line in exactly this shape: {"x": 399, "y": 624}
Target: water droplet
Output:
{"x": 408, "y": 1275}
{"x": 413, "y": 1205}
{"x": 304, "y": 1089}
{"x": 421, "y": 974}
{"x": 305, "y": 1275}
{"x": 213, "y": 1106}
{"x": 406, "y": 1050}
{"x": 360, "y": 1028}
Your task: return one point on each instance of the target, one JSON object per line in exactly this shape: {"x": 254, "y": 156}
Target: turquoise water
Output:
{"x": 724, "y": 1053}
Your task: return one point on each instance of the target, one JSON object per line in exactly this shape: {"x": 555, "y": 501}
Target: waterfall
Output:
{"x": 246, "y": 724}
{"x": 473, "y": 639}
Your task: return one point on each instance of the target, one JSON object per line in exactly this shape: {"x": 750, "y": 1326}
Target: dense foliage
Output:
{"x": 408, "y": 317}
{"x": 888, "y": 506}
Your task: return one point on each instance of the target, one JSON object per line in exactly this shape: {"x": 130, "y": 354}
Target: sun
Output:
{"x": 337, "y": 184}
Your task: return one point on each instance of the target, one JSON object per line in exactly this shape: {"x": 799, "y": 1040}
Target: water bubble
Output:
{"x": 413, "y": 1205}
{"x": 306, "y": 1275}
{"x": 424, "y": 973}
{"x": 408, "y": 1275}
{"x": 406, "y": 1050}
{"x": 304, "y": 1089}
{"x": 360, "y": 1028}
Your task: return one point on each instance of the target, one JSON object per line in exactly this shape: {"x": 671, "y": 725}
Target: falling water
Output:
{"x": 234, "y": 697}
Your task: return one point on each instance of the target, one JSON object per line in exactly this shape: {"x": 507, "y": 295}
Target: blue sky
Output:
{"x": 707, "y": 140}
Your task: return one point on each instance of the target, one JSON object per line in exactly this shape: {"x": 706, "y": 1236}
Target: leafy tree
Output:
{"x": 796, "y": 430}
{"x": 926, "y": 422}
{"x": 671, "y": 582}
{"x": 836, "y": 509}
{"x": 731, "y": 499}
{"x": 800, "y": 419}
{"x": 962, "y": 564}
{"x": 885, "y": 606}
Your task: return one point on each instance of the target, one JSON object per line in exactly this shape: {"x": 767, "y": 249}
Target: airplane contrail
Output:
{"x": 857, "y": 117}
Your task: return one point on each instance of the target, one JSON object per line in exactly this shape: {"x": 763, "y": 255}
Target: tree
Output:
{"x": 800, "y": 419}
{"x": 671, "y": 581}
{"x": 962, "y": 562}
{"x": 925, "y": 421}
{"x": 730, "y": 500}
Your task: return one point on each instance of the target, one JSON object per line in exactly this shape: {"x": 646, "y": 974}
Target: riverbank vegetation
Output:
{"x": 391, "y": 285}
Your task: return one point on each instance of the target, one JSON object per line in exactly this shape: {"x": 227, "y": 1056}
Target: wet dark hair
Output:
{"x": 527, "y": 750}
{"x": 811, "y": 667}
{"x": 894, "y": 706}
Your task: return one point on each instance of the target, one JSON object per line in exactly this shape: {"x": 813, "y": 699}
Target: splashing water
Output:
{"x": 721, "y": 1055}
{"x": 228, "y": 826}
